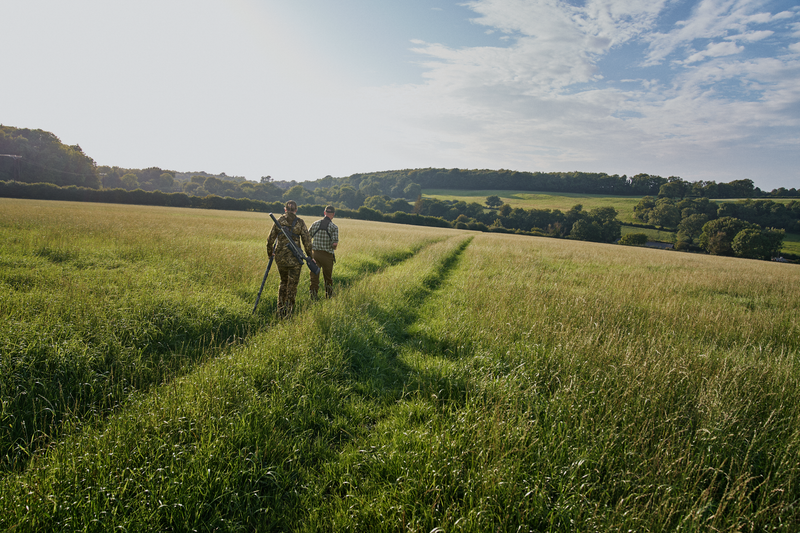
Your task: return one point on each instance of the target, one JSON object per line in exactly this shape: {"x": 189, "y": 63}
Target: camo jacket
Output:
{"x": 301, "y": 237}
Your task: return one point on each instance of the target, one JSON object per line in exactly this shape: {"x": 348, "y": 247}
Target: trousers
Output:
{"x": 325, "y": 261}
{"x": 287, "y": 291}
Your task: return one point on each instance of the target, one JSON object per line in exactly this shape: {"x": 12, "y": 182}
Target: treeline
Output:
{"x": 598, "y": 225}
{"x": 721, "y": 235}
{"x": 394, "y": 183}
{"x": 193, "y": 184}
{"x": 353, "y": 191}
{"x": 39, "y": 156}
{"x": 682, "y": 214}
{"x": 49, "y": 191}
{"x": 749, "y": 228}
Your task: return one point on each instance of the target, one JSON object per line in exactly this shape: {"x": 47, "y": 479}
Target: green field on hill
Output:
{"x": 458, "y": 381}
{"x": 544, "y": 200}
{"x": 791, "y": 244}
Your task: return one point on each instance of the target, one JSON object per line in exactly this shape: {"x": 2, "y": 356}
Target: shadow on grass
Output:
{"x": 341, "y": 398}
{"x": 47, "y": 389}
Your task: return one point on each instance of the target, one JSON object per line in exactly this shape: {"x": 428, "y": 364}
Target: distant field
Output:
{"x": 458, "y": 381}
{"x": 543, "y": 200}
{"x": 652, "y": 234}
{"x": 791, "y": 244}
{"x": 564, "y": 201}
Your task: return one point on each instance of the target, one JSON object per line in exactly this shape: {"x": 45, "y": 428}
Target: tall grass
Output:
{"x": 99, "y": 301}
{"x": 463, "y": 382}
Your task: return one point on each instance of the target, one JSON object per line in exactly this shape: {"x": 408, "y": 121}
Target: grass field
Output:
{"x": 791, "y": 244}
{"x": 458, "y": 381}
{"x": 652, "y": 234}
{"x": 543, "y": 200}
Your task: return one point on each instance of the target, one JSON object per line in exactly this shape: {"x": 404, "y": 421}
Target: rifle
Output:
{"x": 263, "y": 281}
{"x": 298, "y": 253}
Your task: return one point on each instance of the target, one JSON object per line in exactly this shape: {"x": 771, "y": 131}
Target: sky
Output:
{"x": 707, "y": 90}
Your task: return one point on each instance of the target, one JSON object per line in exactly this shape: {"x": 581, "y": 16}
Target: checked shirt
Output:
{"x": 323, "y": 240}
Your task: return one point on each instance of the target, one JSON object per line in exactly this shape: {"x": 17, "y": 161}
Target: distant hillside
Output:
{"x": 38, "y": 156}
{"x": 394, "y": 182}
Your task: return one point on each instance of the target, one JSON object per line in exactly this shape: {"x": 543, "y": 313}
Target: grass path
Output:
{"x": 99, "y": 302}
{"x": 461, "y": 382}
{"x": 234, "y": 440}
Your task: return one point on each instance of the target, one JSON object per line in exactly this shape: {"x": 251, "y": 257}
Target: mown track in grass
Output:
{"x": 503, "y": 384}
{"x": 587, "y": 387}
{"x": 101, "y": 301}
{"x": 233, "y": 444}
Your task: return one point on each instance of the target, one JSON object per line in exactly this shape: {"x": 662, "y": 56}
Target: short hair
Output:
{"x": 330, "y": 209}
{"x": 291, "y": 205}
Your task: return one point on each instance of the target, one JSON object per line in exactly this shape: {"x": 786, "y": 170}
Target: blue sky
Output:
{"x": 704, "y": 90}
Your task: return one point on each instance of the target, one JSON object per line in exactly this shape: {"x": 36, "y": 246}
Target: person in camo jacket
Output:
{"x": 325, "y": 239}
{"x": 288, "y": 265}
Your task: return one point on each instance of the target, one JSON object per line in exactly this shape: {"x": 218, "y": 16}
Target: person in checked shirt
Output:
{"x": 325, "y": 239}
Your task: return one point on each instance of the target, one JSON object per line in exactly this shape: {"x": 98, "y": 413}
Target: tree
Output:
{"x": 493, "y": 201}
{"x": 164, "y": 182}
{"x": 412, "y": 190}
{"x": 665, "y": 214}
{"x": 214, "y": 185}
{"x": 398, "y": 204}
{"x": 675, "y": 188}
{"x": 350, "y": 197}
{"x": 691, "y": 227}
{"x": 418, "y": 205}
{"x": 473, "y": 210}
{"x": 646, "y": 184}
{"x": 717, "y": 235}
{"x": 634, "y": 239}
{"x": 370, "y": 187}
{"x": 45, "y": 159}
{"x": 758, "y": 244}
{"x": 129, "y": 181}
{"x": 586, "y": 230}
{"x": 378, "y": 203}
{"x": 644, "y": 207}
{"x": 301, "y": 195}
{"x": 606, "y": 218}
{"x": 110, "y": 177}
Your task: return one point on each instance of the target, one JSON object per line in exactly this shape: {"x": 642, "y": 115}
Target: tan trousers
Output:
{"x": 325, "y": 261}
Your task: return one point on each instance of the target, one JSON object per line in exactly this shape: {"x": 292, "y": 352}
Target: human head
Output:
{"x": 330, "y": 211}
{"x": 291, "y": 206}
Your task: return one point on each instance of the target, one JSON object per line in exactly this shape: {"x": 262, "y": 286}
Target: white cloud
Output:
{"x": 751, "y": 36}
{"x": 711, "y": 19}
{"x": 566, "y": 90}
{"x": 539, "y": 103}
{"x": 715, "y": 50}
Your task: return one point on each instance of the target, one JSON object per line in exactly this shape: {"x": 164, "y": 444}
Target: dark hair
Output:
{"x": 291, "y": 205}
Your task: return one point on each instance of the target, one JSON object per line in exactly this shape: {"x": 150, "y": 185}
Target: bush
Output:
{"x": 758, "y": 244}
{"x": 634, "y": 239}
{"x": 717, "y": 235}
